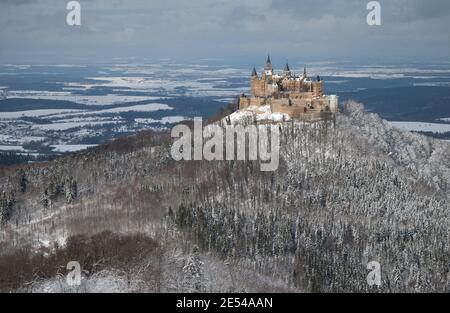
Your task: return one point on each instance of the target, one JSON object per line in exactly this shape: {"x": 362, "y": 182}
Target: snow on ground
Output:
{"x": 445, "y": 119}
{"x": 82, "y": 99}
{"x": 35, "y": 113}
{"x": 71, "y": 148}
{"x": 379, "y": 72}
{"x": 13, "y": 140}
{"x": 151, "y": 107}
{"x": 75, "y": 124}
{"x": 87, "y": 119}
{"x": 106, "y": 281}
{"x": 66, "y": 126}
{"x": 11, "y": 148}
{"x": 422, "y": 126}
{"x": 433, "y": 84}
{"x": 262, "y": 113}
{"x": 76, "y": 115}
{"x": 164, "y": 120}
{"x": 175, "y": 87}
{"x": 72, "y": 115}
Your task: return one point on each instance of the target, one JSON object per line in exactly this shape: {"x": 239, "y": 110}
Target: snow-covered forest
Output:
{"x": 347, "y": 192}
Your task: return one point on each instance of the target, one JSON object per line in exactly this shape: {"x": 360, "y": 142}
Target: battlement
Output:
{"x": 295, "y": 95}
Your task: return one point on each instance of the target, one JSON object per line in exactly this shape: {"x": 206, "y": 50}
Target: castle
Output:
{"x": 298, "y": 96}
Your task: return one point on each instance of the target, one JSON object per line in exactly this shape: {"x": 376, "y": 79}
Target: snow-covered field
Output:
{"x": 70, "y": 125}
{"x": 82, "y": 99}
{"x": 64, "y": 128}
{"x": 381, "y": 72}
{"x": 164, "y": 120}
{"x": 195, "y": 87}
{"x": 11, "y": 148}
{"x": 35, "y": 113}
{"x": 64, "y": 113}
{"x": 138, "y": 108}
{"x": 71, "y": 148}
{"x": 422, "y": 127}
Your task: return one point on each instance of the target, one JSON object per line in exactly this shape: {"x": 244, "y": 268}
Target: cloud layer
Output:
{"x": 309, "y": 29}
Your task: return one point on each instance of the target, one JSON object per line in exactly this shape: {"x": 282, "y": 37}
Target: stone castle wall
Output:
{"x": 292, "y": 111}
{"x": 245, "y": 102}
{"x": 292, "y": 106}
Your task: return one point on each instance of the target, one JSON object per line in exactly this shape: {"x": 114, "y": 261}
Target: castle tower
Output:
{"x": 257, "y": 85}
{"x": 268, "y": 70}
{"x": 317, "y": 88}
{"x": 287, "y": 70}
{"x": 268, "y": 63}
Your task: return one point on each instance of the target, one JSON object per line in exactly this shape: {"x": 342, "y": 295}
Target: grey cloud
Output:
{"x": 222, "y": 28}
{"x": 15, "y": 2}
{"x": 431, "y": 9}
{"x": 312, "y": 9}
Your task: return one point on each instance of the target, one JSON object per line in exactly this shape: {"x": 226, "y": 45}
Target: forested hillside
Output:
{"x": 347, "y": 192}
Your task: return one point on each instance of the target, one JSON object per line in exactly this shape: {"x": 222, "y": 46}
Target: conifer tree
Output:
{"x": 193, "y": 272}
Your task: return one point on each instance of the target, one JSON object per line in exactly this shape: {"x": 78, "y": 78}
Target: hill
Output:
{"x": 345, "y": 193}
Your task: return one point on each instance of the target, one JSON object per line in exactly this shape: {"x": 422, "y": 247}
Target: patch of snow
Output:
{"x": 11, "y": 148}
{"x": 82, "y": 99}
{"x": 164, "y": 120}
{"x": 433, "y": 84}
{"x": 35, "y": 113}
{"x": 151, "y": 107}
{"x": 66, "y": 126}
{"x": 71, "y": 148}
{"x": 262, "y": 113}
{"x": 422, "y": 126}
{"x": 109, "y": 281}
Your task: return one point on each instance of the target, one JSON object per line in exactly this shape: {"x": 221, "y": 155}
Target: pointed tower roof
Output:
{"x": 254, "y": 72}
{"x": 268, "y": 63}
{"x": 286, "y": 67}
{"x": 304, "y": 72}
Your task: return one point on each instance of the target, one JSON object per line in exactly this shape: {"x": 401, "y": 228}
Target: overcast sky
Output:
{"x": 36, "y": 30}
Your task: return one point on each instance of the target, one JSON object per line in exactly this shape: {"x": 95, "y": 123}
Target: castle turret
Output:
{"x": 268, "y": 63}
{"x": 254, "y": 74}
{"x": 287, "y": 70}
{"x": 317, "y": 88}
{"x": 268, "y": 70}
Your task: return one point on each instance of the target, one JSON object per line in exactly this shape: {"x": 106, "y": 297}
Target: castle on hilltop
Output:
{"x": 296, "y": 95}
